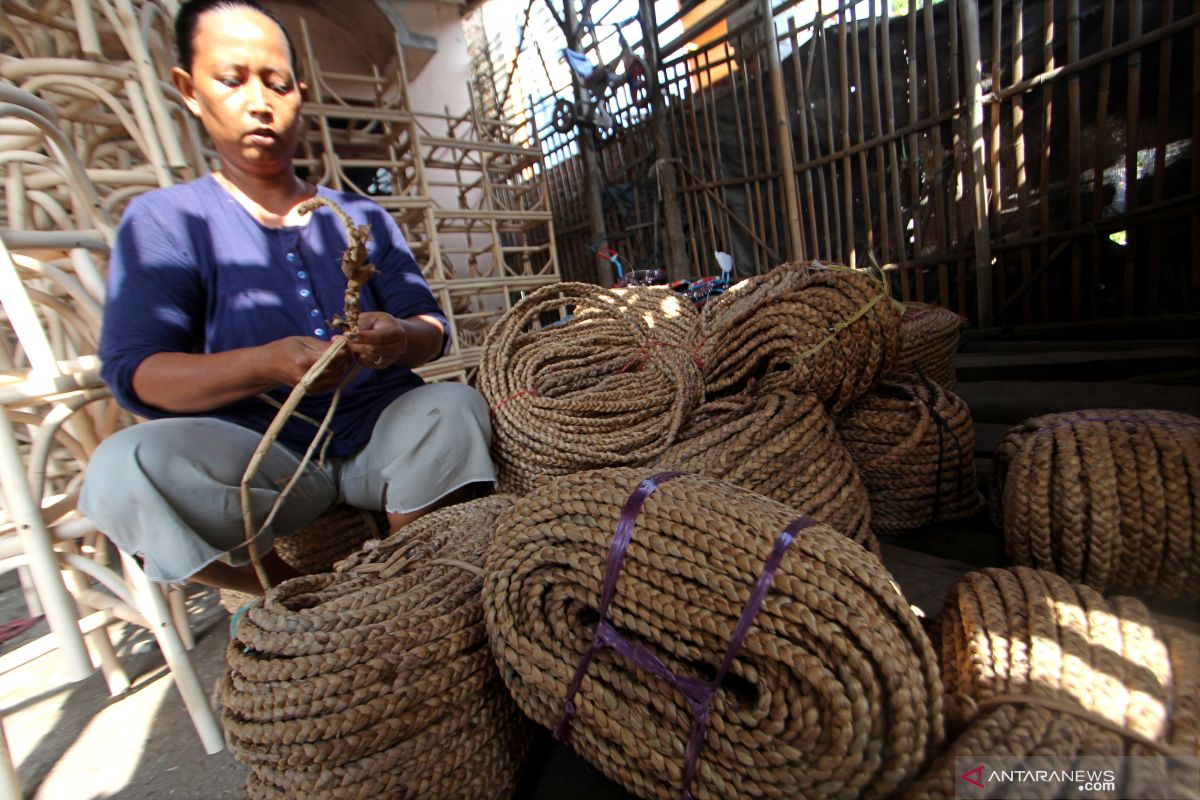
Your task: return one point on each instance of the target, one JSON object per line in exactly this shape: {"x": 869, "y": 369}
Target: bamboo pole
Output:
{"x": 759, "y": 101}
{"x": 914, "y": 149}
{"x": 593, "y": 181}
{"x": 783, "y": 133}
{"x": 993, "y": 112}
{"x": 748, "y": 149}
{"x": 885, "y": 243}
{"x": 1132, "y": 111}
{"x": 698, "y": 168}
{"x": 1018, "y": 124}
{"x": 1160, "y": 160}
{"x": 1100, "y": 146}
{"x": 674, "y": 124}
{"x": 802, "y": 102}
{"x": 1073, "y": 158}
{"x": 836, "y": 200}
{"x": 889, "y": 105}
{"x": 863, "y": 170}
{"x": 847, "y": 169}
{"x": 1139, "y": 42}
{"x": 1047, "y": 135}
{"x": 935, "y": 133}
{"x": 973, "y": 90}
{"x": 666, "y": 179}
{"x": 961, "y": 224}
{"x": 714, "y": 164}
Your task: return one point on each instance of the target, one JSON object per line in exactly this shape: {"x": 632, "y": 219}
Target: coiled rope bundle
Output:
{"x": 376, "y": 680}
{"x": 832, "y": 332}
{"x": 830, "y": 686}
{"x": 781, "y": 445}
{"x": 914, "y": 446}
{"x": 318, "y": 545}
{"x": 1030, "y": 635}
{"x": 929, "y": 336}
{"x": 1035, "y": 665}
{"x": 661, "y": 313}
{"x": 754, "y": 291}
{"x": 1106, "y": 497}
{"x": 1062, "y": 742}
{"x": 328, "y": 539}
{"x": 595, "y": 390}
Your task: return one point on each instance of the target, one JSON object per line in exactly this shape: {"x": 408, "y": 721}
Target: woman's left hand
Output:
{"x": 384, "y": 341}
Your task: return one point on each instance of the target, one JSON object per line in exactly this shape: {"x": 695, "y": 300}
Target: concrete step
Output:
{"x": 1009, "y": 402}
{"x": 1087, "y": 361}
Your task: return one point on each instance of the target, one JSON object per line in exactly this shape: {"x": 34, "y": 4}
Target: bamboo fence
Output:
{"x": 1057, "y": 181}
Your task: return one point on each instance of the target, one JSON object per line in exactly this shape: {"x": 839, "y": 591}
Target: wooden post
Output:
{"x": 664, "y": 164}
{"x": 783, "y": 133}
{"x": 976, "y": 162}
{"x": 592, "y": 179}
{"x": 1132, "y": 115}
{"x": 1074, "y": 160}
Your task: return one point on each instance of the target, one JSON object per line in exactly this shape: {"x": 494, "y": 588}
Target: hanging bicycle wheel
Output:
{"x": 639, "y": 83}
{"x": 564, "y": 115}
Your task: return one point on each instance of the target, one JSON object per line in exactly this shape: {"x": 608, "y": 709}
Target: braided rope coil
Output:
{"x": 598, "y": 389}
{"x": 318, "y": 545}
{"x": 929, "y": 338}
{"x": 1106, "y": 497}
{"x": 1034, "y": 666}
{"x": 781, "y": 445}
{"x": 1063, "y": 741}
{"x": 824, "y": 329}
{"x": 914, "y": 446}
{"x": 661, "y": 314}
{"x": 375, "y": 680}
{"x": 834, "y": 691}
{"x": 1023, "y": 631}
{"x": 331, "y": 537}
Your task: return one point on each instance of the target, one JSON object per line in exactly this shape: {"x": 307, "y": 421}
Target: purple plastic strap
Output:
{"x": 699, "y": 694}
{"x": 753, "y": 603}
{"x": 616, "y": 559}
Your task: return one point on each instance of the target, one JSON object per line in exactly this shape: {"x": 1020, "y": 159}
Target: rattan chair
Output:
{"x": 54, "y": 410}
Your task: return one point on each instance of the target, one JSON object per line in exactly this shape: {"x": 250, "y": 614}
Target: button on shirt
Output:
{"x": 193, "y": 271}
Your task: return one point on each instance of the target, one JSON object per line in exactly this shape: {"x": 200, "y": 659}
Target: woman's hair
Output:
{"x": 188, "y": 19}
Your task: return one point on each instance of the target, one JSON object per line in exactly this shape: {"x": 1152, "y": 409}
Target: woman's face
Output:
{"x": 242, "y": 88}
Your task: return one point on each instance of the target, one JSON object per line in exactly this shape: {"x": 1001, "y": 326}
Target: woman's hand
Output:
{"x": 293, "y": 356}
{"x": 384, "y": 341}
{"x": 195, "y": 382}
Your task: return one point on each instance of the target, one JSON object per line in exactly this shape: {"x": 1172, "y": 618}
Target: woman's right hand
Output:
{"x": 196, "y": 382}
{"x": 293, "y": 356}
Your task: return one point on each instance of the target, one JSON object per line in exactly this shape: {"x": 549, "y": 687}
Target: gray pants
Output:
{"x": 169, "y": 489}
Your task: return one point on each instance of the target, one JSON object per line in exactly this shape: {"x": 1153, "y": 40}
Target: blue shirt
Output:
{"x": 193, "y": 271}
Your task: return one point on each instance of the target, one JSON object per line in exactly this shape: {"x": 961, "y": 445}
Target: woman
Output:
{"x": 220, "y": 292}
